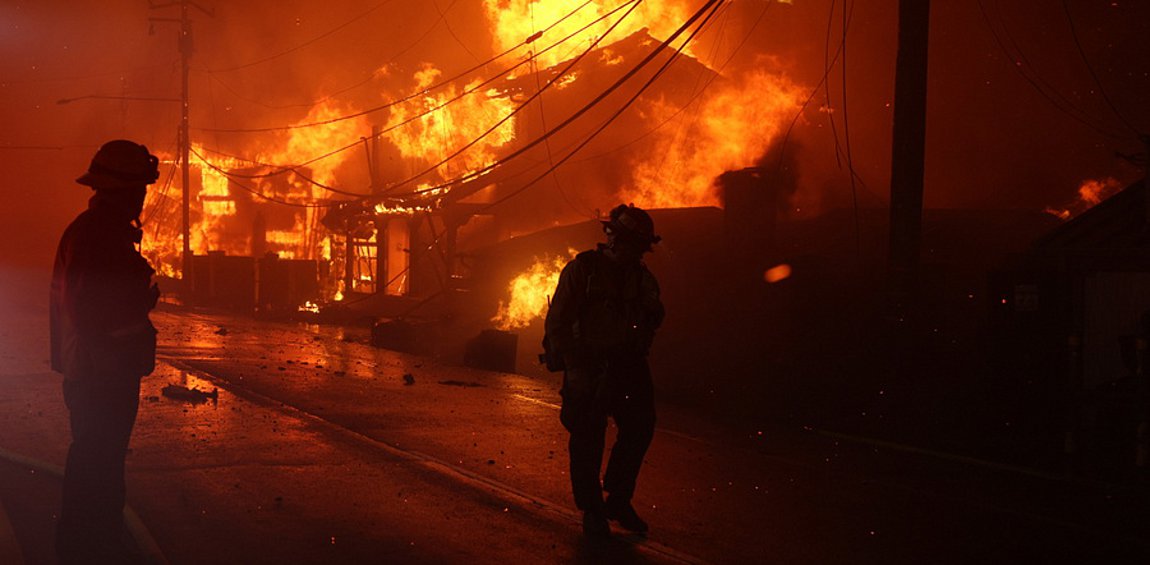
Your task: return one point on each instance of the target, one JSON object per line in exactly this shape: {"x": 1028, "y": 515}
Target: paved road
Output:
{"x": 317, "y": 450}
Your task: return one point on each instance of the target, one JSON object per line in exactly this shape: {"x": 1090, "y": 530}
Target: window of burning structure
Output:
{"x": 256, "y": 213}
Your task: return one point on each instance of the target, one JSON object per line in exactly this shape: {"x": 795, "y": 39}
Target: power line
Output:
{"x": 440, "y": 84}
{"x": 157, "y": 202}
{"x": 713, "y": 7}
{"x": 715, "y": 76}
{"x": 284, "y": 169}
{"x": 1019, "y": 58}
{"x": 847, "y": 130}
{"x": 233, "y": 179}
{"x": 296, "y": 170}
{"x": 686, "y": 125}
{"x": 1054, "y": 97}
{"x": 451, "y": 31}
{"x": 1094, "y": 75}
{"x": 528, "y": 101}
{"x": 827, "y": 63}
{"x": 281, "y": 169}
{"x": 710, "y": 5}
{"x": 543, "y": 123}
{"x": 547, "y": 134}
{"x": 822, "y": 84}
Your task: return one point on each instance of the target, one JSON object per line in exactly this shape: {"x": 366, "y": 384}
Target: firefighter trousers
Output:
{"x": 624, "y": 392}
{"x": 102, "y": 412}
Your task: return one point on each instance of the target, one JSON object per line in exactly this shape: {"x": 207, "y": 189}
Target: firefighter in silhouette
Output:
{"x": 103, "y": 343}
{"x": 599, "y": 328}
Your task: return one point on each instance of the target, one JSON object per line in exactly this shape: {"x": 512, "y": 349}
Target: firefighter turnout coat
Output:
{"x": 100, "y": 298}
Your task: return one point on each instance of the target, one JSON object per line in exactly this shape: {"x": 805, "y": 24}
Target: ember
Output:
{"x": 777, "y": 273}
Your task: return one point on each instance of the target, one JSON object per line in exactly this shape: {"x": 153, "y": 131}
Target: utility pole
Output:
{"x": 186, "y": 47}
{"x": 381, "y": 221}
{"x": 908, "y": 153}
{"x": 906, "y": 187}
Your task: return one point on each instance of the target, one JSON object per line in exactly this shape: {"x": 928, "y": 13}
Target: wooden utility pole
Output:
{"x": 186, "y": 47}
{"x": 381, "y": 273}
{"x": 908, "y": 153}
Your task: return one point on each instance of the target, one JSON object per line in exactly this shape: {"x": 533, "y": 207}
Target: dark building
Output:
{"x": 1070, "y": 318}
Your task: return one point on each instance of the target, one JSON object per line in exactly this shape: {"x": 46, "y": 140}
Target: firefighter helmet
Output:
{"x": 121, "y": 164}
{"x": 633, "y": 221}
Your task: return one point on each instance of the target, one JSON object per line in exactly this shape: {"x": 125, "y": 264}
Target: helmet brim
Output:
{"x": 100, "y": 180}
{"x": 608, "y": 227}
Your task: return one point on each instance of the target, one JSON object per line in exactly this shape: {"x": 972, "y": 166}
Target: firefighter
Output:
{"x": 103, "y": 342}
{"x": 599, "y": 329}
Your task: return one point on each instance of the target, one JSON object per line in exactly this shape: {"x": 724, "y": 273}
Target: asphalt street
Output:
{"x": 319, "y": 448}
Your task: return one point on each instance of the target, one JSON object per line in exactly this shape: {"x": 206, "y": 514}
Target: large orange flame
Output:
{"x": 730, "y": 126}
{"x": 530, "y": 292}
{"x": 513, "y": 21}
{"x": 215, "y": 207}
{"x": 731, "y": 129}
{"x": 439, "y": 129}
{"x": 305, "y": 144}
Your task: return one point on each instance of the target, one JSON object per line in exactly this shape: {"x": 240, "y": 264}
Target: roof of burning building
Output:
{"x": 580, "y": 103}
{"x": 1120, "y": 221}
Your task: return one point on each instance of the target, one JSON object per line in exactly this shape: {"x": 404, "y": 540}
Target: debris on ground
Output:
{"x": 193, "y": 395}
{"x": 408, "y": 379}
{"x": 460, "y": 383}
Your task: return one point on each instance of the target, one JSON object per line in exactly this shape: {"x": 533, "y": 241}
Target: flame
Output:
{"x": 216, "y": 205}
{"x": 530, "y": 292}
{"x": 217, "y": 221}
{"x": 729, "y": 127}
{"x": 1093, "y": 191}
{"x": 732, "y": 129}
{"x": 445, "y": 128}
{"x": 305, "y": 144}
{"x": 1090, "y": 192}
{"x": 513, "y": 21}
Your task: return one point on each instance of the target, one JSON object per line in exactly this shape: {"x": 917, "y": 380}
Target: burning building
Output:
{"x": 588, "y": 112}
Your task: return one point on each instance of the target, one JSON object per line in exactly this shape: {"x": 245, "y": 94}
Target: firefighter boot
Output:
{"x": 595, "y": 525}
{"x": 625, "y": 514}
